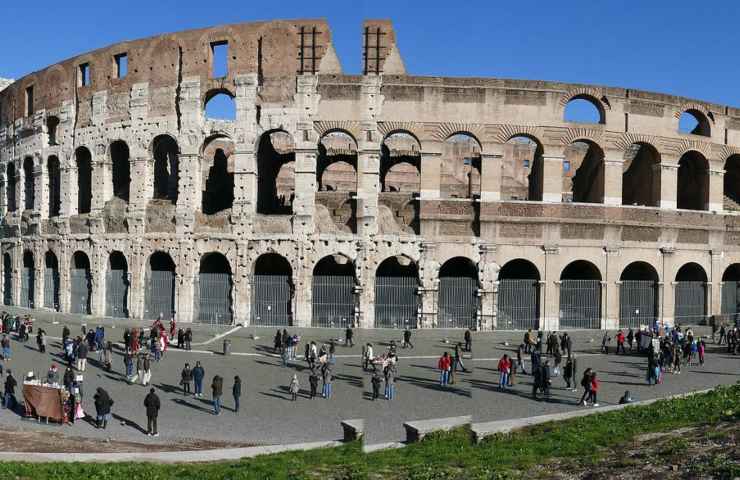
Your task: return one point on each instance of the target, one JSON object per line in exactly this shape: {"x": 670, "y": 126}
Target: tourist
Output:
{"x": 68, "y": 379}
{"x": 701, "y": 349}
{"x": 326, "y": 376}
{"x": 368, "y": 359}
{"x": 594, "y": 390}
{"x": 519, "y": 361}
{"x": 568, "y": 373}
{"x": 536, "y": 359}
{"x": 173, "y": 328}
{"x": 198, "y": 374}
{"x": 108, "y": 355}
{"x": 188, "y": 339}
{"x": 545, "y": 379}
{"x": 389, "y": 373}
{"x": 41, "y": 340}
{"x": 348, "y": 334}
{"x": 82, "y": 350}
{"x": 630, "y": 337}
{"x": 652, "y": 378}
{"x": 152, "y": 405}
{"x": 147, "y": 364}
{"x": 65, "y": 333}
{"x": 722, "y": 334}
{"x": 140, "y": 368}
{"x": 217, "y": 390}
{"x": 528, "y": 341}
{"x": 313, "y": 381}
{"x": 9, "y": 394}
{"x": 676, "y": 360}
{"x": 620, "y": 342}
{"x": 407, "y": 338}
{"x": 605, "y": 342}
{"x": 586, "y": 384}
{"x": 444, "y": 369}
{"x": 103, "y": 404}
{"x": 236, "y": 392}
{"x": 5, "y": 344}
{"x": 536, "y": 381}
{"x": 468, "y": 340}
{"x": 458, "y": 358}
{"x": 504, "y": 367}
{"x": 277, "y": 342}
{"x": 375, "y": 382}
{"x": 186, "y": 378}
{"x": 294, "y": 387}
{"x": 180, "y": 338}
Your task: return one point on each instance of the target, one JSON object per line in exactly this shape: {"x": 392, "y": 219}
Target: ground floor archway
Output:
{"x": 397, "y": 301}
{"x": 272, "y": 291}
{"x": 731, "y": 291}
{"x": 51, "y": 281}
{"x": 116, "y": 286}
{"x": 638, "y": 295}
{"x": 80, "y": 287}
{"x": 27, "y": 280}
{"x": 333, "y": 299}
{"x": 518, "y": 296}
{"x": 214, "y": 290}
{"x": 580, "y": 296}
{"x": 160, "y": 287}
{"x": 690, "y": 294}
{"x": 459, "y": 303}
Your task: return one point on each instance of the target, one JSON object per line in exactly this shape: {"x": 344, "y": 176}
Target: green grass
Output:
{"x": 440, "y": 456}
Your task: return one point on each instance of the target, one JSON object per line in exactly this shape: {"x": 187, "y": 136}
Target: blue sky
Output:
{"x": 679, "y": 47}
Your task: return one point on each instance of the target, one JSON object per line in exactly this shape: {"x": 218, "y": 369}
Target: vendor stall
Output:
{"x": 44, "y": 401}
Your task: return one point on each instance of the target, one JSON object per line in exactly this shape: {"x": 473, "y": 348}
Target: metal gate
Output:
{"x": 580, "y": 304}
{"x": 730, "y": 298}
{"x": 160, "y": 294}
{"x": 690, "y": 303}
{"x": 458, "y": 302}
{"x": 637, "y": 303}
{"x": 27, "y": 278}
{"x": 51, "y": 289}
{"x": 116, "y": 293}
{"x": 333, "y": 301}
{"x": 397, "y": 302}
{"x": 214, "y": 300}
{"x": 272, "y": 299}
{"x": 80, "y": 291}
{"x": 518, "y": 304}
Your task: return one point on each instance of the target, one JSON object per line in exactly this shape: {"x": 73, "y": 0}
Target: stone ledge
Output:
{"x": 354, "y": 429}
{"x": 418, "y": 429}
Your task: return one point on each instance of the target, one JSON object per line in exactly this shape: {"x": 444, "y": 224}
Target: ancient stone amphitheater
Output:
{"x": 379, "y": 200}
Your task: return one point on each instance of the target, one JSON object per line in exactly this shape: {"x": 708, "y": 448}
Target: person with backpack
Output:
{"x": 9, "y": 394}
{"x": 568, "y": 373}
{"x": 152, "y": 405}
{"x": 313, "y": 382}
{"x": 390, "y": 380}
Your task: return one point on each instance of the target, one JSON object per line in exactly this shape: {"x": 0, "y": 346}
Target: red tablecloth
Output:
{"x": 43, "y": 401}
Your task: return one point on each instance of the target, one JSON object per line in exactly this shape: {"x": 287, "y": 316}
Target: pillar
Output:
{"x": 41, "y": 188}
{"x": 669, "y": 183}
{"x": 64, "y": 281}
{"x": 552, "y": 166}
{"x": 431, "y": 173}
{"x": 610, "y": 314}
{"x": 184, "y": 296}
{"x": 20, "y": 189}
{"x": 102, "y": 180}
{"x": 38, "y": 279}
{"x": 98, "y": 270}
{"x": 368, "y": 187}
{"x": 551, "y": 291}
{"x": 603, "y": 321}
{"x": 241, "y": 291}
{"x": 714, "y": 300}
{"x": 716, "y": 190}
{"x": 189, "y": 191}
{"x": 490, "y": 180}
{"x": 305, "y": 188}
{"x": 613, "y": 169}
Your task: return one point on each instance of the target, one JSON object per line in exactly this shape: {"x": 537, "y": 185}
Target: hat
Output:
{"x": 29, "y": 374}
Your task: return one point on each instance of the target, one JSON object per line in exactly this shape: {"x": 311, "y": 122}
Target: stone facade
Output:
{"x": 363, "y": 168}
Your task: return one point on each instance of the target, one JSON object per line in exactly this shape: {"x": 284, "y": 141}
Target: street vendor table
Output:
{"x": 43, "y": 401}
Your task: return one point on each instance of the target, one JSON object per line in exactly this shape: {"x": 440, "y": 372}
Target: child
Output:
{"x": 594, "y": 389}
{"x": 701, "y": 352}
{"x": 294, "y": 387}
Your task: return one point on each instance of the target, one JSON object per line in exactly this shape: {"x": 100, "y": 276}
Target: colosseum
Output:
{"x": 378, "y": 200}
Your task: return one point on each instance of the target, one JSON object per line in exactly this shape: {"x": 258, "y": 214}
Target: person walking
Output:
{"x": 217, "y": 389}
{"x": 407, "y": 338}
{"x": 594, "y": 390}
{"x": 152, "y": 405}
{"x": 389, "y": 373}
{"x": 468, "y": 340}
{"x": 108, "y": 355}
{"x": 103, "y": 404}
{"x": 188, "y": 339}
{"x": 236, "y": 392}
{"x": 294, "y": 387}
{"x": 41, "y": 340}
{"x": 5, "y": 344}
{"x": 630, "y": 338}
{"x": 504, "y": 367}
{"x": 568, "y": 372}
{"x": 605, "y": 343}
{"x": 198, "y": 374}
{"x": 519, "y": 361}
{"x": 528, "y": 341}
{"x": 444, "y": 369}
{"x": 82, "y": 351}
{"x": 545, "y": 379}
{"x": 186, "y": 378}
{"x": 368, "y": 356}
{"x": 348, "y": 337}
{"x": 586, "y": 384}
{"x": 620, "y": 342}
{"x": 140, "y": 368}
{"x": 9, "y": 393}
{"x": 147, "y": 377}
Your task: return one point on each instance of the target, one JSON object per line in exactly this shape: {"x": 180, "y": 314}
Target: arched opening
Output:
{"x": 27, "y": 280}
{"x": 336, "y": 165}
{"x": 119, "y": 156}
{"x": 166, "y": 168}
{"x": 518, "y": 296}
{"x": 80, "y": 281}
{"x": 52, "y": 123}
{"x": 51, "y": 281}
{"x": 272, "y": 291}
{"x": 333, "y": 292}
{"x": 116, "y": 286}
{"x": 10, "y": 187}
{"x": 397, "y": 301}
{"x": 584, "y": 109}
{"x": 214, "y": 290}
{"x": 641, "y": 176}
{"x": 522, "y": 169}
{"x": 732, "y": 183}
{"x": 694, "y": 122}
{"x": 584, "y": 172}
{"x": 54, "y": 187}
{"x": 160, "y": 282}
{"x": 731, "y": 292}
{"x": 461, "y": 164}
{"x": 218, "y": 194}
{"x": 400, "y": 163}
{"x": 459, "y": 302}
{"x": 220, "y": 105}
{"x": 690, "y": 295}
{"x": 638, "y": 295}
{"x": 7, "y": 279}
{"x": 693, "y": 181}
{"x": 580, "y": 296}
{"x": 275, "y": 173}
{"x": 28, "y": 183}
{"x": 83, "y": 160}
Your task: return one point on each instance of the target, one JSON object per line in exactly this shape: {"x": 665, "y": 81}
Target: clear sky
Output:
{"x": 689, "y": 48}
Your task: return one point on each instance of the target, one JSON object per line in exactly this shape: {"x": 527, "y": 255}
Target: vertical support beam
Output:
{"x": 64, "y": 280}
{"x": 604, "y": 288}
{"x": 38, "y": 278}
{"x": 189, "y": 191}
{"x": 98, "y": 269}
{"x": 368, "y": 187}
{"x": 490, "y": 175}
{"x": 184, "y": 296}
{"x": 669, "y": 183}
{"x": 716, "y": 190}
{"x": 102, "y": 179}
{"x": 551, "y": 290}
{"x": 613, "y": 169}
{"x": 610, "y": 288}
{"x": 241, "y": 289}
{"x": 20, "y": 188}
{"x": 305, "y": 186}
{"x": 431, "y": 172}
{"x": 552, "y": 182}
{"x": 714, "y": 299}
{"x": 41, "y": 185}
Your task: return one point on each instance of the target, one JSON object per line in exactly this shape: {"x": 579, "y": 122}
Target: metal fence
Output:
{"x": 272, "y": 300}
{"x": 80, "y": 288}
{"x": 690, "y": 302}
{"x": 160, "y": 294}
{"x": 730, "y": 298}
{"x": 333, "y": 301}
{"x": 397, "y": 302}
{"x": 458, "y": 302}
{"x": 518, "y": 304}
{"x": 27, "y": 290}
{"x": 214, "y": 300}
{"x": 580, "y": 304}
{"x": 116, "y": 293}
{"x": 638, "y": 300}
{"x": 51, "y": 289}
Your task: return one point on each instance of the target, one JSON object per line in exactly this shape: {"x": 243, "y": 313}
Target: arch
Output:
{"x": 165, "y": 152}
{"x": 693, "y": 121}
{"x": 7, "y": 279}
{"x": 336, "y": 165}
{"x": 580, "y": 296}
{"x": 458, "y": 296}
{"x": 160, "y": 281}
{"x": 28, "y": 183}
{"x": 400, "y": 163}
{"x": 117, "y": 286}
{"x": 51, "y": 281}
{"x": 523, "y": 168}
{"x": 693, "y": 181}
{"x": 731, "y": 292}
{"x": 638, "y": 295}
{"x": 584, "y": 108}
{"x": 518, "y": 305}
{"x": 585, "y": 161}
{"x": 52, "y": 123}
{"x": 731, "y": 188}
{"x": 220, "y": 105}
{"x": 272, "y": 291}
{"x": 10, "y": 188}
{"x": 275, "y": 184}
{"x": 28, "y": 275}
{"x": 83, "y": 160}
{"x": 461, "y": 167}
{"x": 54, "y": 186}
{"x": 641, "y": 175}
{"x": 397, "y": 301}
{"x": 121, "y": 170}
{"x": 690, "y": 294}
{"x": 333, "y": 300}
{"x": 80, "y": 283}
{"x": 214, "y": 290}
{"x": 218, "y": 194}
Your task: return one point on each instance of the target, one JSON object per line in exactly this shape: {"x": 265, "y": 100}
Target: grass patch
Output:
{"x": 440, "y": 456}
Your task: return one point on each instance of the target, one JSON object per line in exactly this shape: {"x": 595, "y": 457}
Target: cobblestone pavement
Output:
{"x": 269, "y": 417}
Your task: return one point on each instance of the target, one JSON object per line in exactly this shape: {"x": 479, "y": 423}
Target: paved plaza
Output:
{"x": 268, "y": 416}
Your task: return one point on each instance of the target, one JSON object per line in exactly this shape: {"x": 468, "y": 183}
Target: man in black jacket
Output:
{"x": 151, "y": 402}
{"x": 9, "y": 398}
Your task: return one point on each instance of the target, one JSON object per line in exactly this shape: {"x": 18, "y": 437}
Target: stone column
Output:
{"x": 302, "y": 297}
{"x": 98, "y": 270}
{"x": 613, "y": 169}
{"x": 20, "y": 189}
{"x": 3, "y": 195}
{"x": 102, "y": 180}
{"x": 368, "y": 187}
{"x": 184, "y": 296}
{"x": 714, "y": 302}
{"x": 140, "y": 191}
{"x": 189, "y": 191}
{"x": 305, "y": 187}
{"x": 551, "y": 295}
{"x": 490, "y": 175}
{"x": 604, "y": 288}
{"x": 241, "y": 289}
{"x": 64, "y": 280}
{"x": 41, "y": 188}
{"x": 660, "y": 314}
{"x": 669, "y": 304}
{"x": 137, "y": 282}
{"x": 69, "y": 192}
{"x": 716, "y": 190}
{"x": 431, "y": 171}
{"x": 245, "y": 192}
{"x": 668, "y": 183}
{"x": 610, "y": 287}
{"x": 38, "y": 278}
{"x": 552, "y": 182}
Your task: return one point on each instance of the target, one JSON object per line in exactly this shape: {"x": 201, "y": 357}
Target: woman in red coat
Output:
{"x": 444, "y": 369}
{"x": 504, "y": 368}
{"x": 594, "y": 389}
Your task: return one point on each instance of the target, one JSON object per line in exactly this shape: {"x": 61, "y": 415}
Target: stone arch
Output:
{"x": 161, "y": 273}
{"x": 458, "y": 295}
{"x": 215, "y": 285}
{"x": 461, "y": 166}
{"x": 28, "y": 275}
{"x": 120, "y": 170}
{"x": 690, "y": 294}
{"x": 518, "y": 305}
{"x": 523, "y": 168}
{"x": 731, "y": 293}
{"x": 219, "y": 104}
{"x": 165, "y": 151}
{"x": 580, "y": 296}
{"x": 333, "y": 299}
{"x": 572, "y": 109}
{"x": 80, "y": 283}
{"x": 10, "y": 187}
{"x": 272, "y": 291}
{"x": 83, "y": 161}
{"x": 641, "y": 175}
{"x": 638, "y": 295}
{"x": 336, "y": 165}
{"x": 116, "y": 285}
{"x": 54, "y": 186}
{"x": 584, "y": 172}
{"x": 218, "y": 179}
{"x": 695, "y": 121}
{"x": 731, "y": 188}
{"x": 275, "y": 173}
{"x": 7, "y": 279}
{"x": 693, "y": 181}
{"x": 397, "y": 301}
{"x": 51, "y": 281}
{"x": 400, "y": 162}
{"x": 28, "y": 183}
